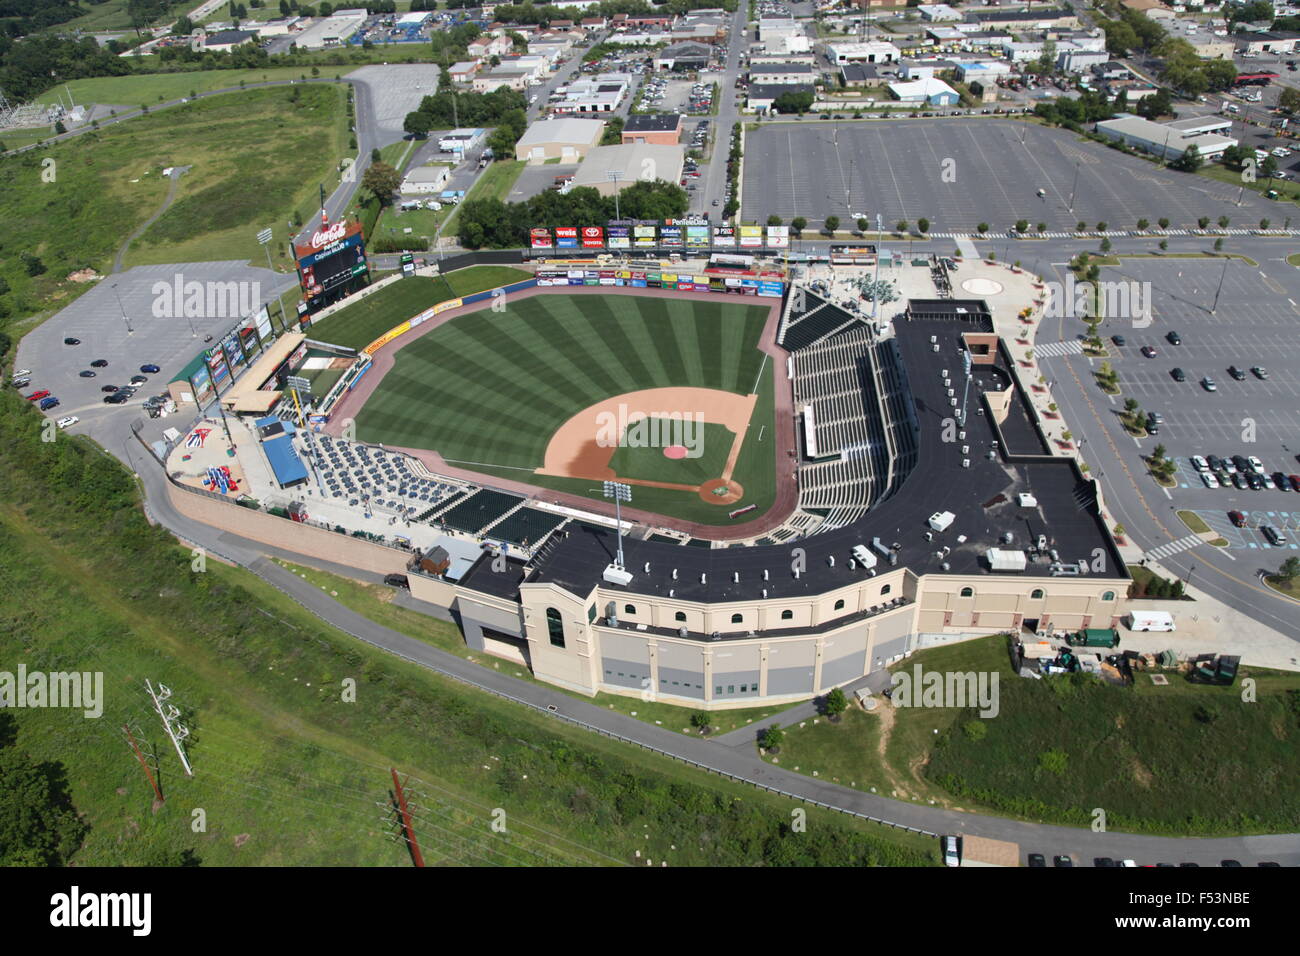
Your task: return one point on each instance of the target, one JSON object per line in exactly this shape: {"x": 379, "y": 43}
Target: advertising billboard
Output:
{"x": 331, "y": 257}
{"x": 264, "y": 325}
{"x": 724, "y": 237}
{"x": 593, "y": 237}
{"x": 751, "y": 236}
{"x": 539, "y": 238}
{"x": 618, "y": 235}
{"x": 778, "y": 237}
{"x": 670, "y": 237}
{"x": 234, "y": 352}
{"x": 697, "y": 236}
{"x": 566, "y": 237}
{"x": 201, "y": 382}
{"x": 218, "y": 368}
{"x": 644, "y": 234}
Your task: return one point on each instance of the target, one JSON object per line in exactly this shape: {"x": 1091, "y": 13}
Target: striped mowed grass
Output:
{"x": 491, "y": 388}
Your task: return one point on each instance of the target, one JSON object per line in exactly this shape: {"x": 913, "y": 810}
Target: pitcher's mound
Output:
{"x": 675, "y": 452}
{"x": 721, "y": 491}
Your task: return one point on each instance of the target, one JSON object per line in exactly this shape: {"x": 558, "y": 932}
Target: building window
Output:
{"x": 1108, "y": 596}
{"x": 787, "y": 615}
{"x": 555, "y": 626}
{"x": 629, "y": 608}
{"x": 1036, "y": 594}
{"x": 718, "y": 689}
{"x": 680, "y": 617}
{"x": 839, "y": 605}
{"x": 737, "y": 618}
{"x": 886, "y": 589}
{"x": 731, "y": 688}
{"x": 968, "y": 592}
{"x": 591, "y": 614}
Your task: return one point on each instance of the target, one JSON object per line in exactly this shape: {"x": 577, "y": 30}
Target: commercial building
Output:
{"x": 864, "y": 75}
{"x": 611, "y": 169}
{"x": 1164, "y": 140}
{"x": 875, "y": 51}
{"x": 426, "y": 179}
{"x": 683, "y": 56}
{"x": 567, "y": 139}
{"x": 331, "y": 31}
{"x": 1279, "y": 42}
{"x": 599, "y": 94}
{"x": 227, "y": 40}
{"x": 494, "y": 79}
{"x": 461, "y": 140}
{"x": 782, "y": 74}
{"x": 463, "y": 72}
{"x": 932, "y": 91}
{"x": 662, "y": 129}
{"x": 762, "y": 97}
{"x": 937, "y": 12}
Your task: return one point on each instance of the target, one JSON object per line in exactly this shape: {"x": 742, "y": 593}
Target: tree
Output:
{"x": 381, "y": 181}
{"x": 1223, "y": 222}
{"x": 836, "y": 703}
{"x": 39, "y": 825}
{"x": 793, "y": 102}
{"x": 1288, "y": 101}
{"x": 1164, "y": 222}
{"x": 983, "y": 227}
{"x": 1202, "y": 222}
{"x": 832, "y": 223}
{"x": 1142, "y": 225}
{"x": 901, "y": 225}
{"x": 769, "y": 738}
{"x": 1289, "y": 570}
{"x": 774, "y": 220}
{"x": 1190, "y": 161}
{"x": 923, "y": 225}
{"x": 1263, "y": 223}
{"x": 1022, "y": 225}
{"x": 700, "y": 720}
{"x": 183, "y": 27}
{"x": 863, "y": 224}
{"x": 798, "y": 224}
{"x": 417, "y": 124}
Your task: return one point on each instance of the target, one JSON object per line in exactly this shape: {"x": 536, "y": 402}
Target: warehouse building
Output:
{"x": 611, "y": 169}
{"x": 567, "y": 139}
{"x": 1165, "y": 140}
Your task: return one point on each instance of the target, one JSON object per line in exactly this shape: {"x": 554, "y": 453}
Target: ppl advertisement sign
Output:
{"x": 593, "y": 237}
{"x": 566, "y": 237}
{"x": 618, "y": 236}
{"x": 670, "y": 236}
{"x": 540, "y": 238}
{"x": 778, "y": 237}
{"x": 751, "y": 236}
{"x": 724, "y": 237}
{"x": 697, "y": 236}
{"x": 771, "y": 289}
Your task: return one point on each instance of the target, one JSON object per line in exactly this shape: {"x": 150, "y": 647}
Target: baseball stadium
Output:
{"x": 720, "y": 486}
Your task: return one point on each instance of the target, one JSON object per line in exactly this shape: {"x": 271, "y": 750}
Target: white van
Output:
{"x": 1150, "y": 621}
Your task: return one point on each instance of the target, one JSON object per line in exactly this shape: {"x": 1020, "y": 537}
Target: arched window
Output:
{"x": 555, "y": 626}
{"x": 787, "y": 615}
{"x": 886, "y": 589}
{"x": 737, "y": 618}
{"x": 1108, "y": 596}
{"x": 1036, "y": 594}
{"x": 967, "y": 592}
{"x": 629, "y": 608}
{"x": 680, "y": 616}
{"x": 839, "y": 605}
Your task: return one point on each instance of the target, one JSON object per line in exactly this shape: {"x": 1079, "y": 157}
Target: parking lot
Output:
{"x": 960, "y": 172}
{"x": 669, "y": 93}
{"x": 1253, "y": 327}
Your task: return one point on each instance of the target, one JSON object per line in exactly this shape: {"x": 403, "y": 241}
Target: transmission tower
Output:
{"x": 171, "y": 718}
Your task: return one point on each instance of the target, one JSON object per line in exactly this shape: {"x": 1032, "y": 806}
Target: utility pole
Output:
{"x": 411, "y": 842}
{"x": 140, "y": 757}
{"x": 171, "y": 722}
{"x": 1215, "y": 308}
{"x": 875, "y": 299}
{"x": 1074, "y": 187}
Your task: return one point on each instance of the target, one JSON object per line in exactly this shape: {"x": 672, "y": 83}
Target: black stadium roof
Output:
{"x": 982, "y": 494}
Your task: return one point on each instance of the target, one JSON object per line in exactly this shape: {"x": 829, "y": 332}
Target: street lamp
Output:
{"x": 614, "y": 175}
{"x": 122, "y": 309}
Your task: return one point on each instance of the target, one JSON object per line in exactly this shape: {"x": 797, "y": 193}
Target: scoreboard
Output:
{"x": 331, "y": 258}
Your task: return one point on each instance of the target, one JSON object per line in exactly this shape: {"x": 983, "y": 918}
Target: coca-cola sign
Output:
{"x": 333, "y": 234}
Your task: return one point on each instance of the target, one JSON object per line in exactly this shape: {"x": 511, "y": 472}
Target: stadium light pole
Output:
{"x": 620, "y": 493}
{"x": 122, "y": 309}
{"x": 614, "y": 175}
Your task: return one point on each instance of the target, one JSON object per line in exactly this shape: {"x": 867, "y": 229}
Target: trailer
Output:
{"x": 1094, "y": 637}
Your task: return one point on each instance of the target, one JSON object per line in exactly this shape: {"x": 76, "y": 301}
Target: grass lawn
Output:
{"x": 153, "y": 88}
{"x": 1286, "y": 191}
{"x": 1290, "y": 588}
{"x": 288, "y": 765}
{"x": 712, "y": 442}
{"x": 361, "y": 323}
{"x": 1160, "y": 759}
{"x": 376, "y": 602}
{"x": 495, "y": 182}
{"x": 504, "y": 383}
{"x": 1194, "y": 521}
{"x": 112, "y": 15}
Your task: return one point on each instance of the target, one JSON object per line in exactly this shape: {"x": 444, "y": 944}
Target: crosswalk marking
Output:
{"x": 1173, "y": 547}
{"x": 1051, "y": 349}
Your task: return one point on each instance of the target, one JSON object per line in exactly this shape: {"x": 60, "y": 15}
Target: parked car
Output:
{"x": 1276, "y": 538}
{"x": 99, "y": 363}
{"x": 1239, "y": 482}
{"x": 1236, "y": 373}
{"x": 1216, "y": 463}
{"x": 20, "y": 372}
{"x": 1118, "y": 340}
{"x": 68, "y": 421}
{"x": 138, "y": 379}
{"x": 1063, "y": 861}
{"x": 37, "y": 396}
{"x": 1178, "y": 374}
{"x": 108, "y": 388}
{"x": 151, "y": 369}
{"x": 1200, "y": 464}
{"x": 1281, "y": 482}
{"x": 950, "y": 851}
{"x": 1036, "y": 859}
{"x": 1295, "y": 482}
{"x": 1207, "y": 383}
{"x": 48, "y": 403}
{"x": 1237, "y": 518}
{"x": 1209, "y": 480}
{"x": 1104, "y": 861}
{"x": 86, "y": 373}
{"x": 1255, "y": 464}
{"x": 71, "y": 341}
{"x": 397, "y": 581}
{"x": 1241, "y": 462}
{"x": 1174, "y": 338}
{"x": 1260, "y": 371}
{"x": 21, "y": 382}
{"x": 1149, "y": 351}
{"x": 117, "y": 398}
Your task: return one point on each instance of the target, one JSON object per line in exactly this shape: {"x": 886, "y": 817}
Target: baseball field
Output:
{"x": 672, "y": 396}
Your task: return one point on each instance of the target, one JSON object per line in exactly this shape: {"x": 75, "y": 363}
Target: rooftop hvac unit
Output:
{"x": 682, "y": 632}
{"x": 934, "y": 338}
{"x": 611, "y": 613}
{"x": 647, "y": 567}
{"x": 830, "y": 559}
{"x": 953, "y": 401}
{"x": 961, "y": 435}
{"x": 941, "y": 520}
{"x": 944, "y": 373}
{"x": 1008, "y": 537}
{"x": 674, "y": 574}
{"x": 672, "y": 592}
{"x": 735, "y": 577}
{"x": 1027, "y": 500}
{"x": 965, "y": 462}
{"x": 965, "y": 449}
{"x": 934, "y": 348}
{"x": 704, "y": 578}
{"x": 947, "y": 382}
{"x": 1042, "y": 542}
{"x": 881, "y": 547}
{"x": 765, "y": 574}
{"x": 865, "y": 557}
{"x": 764, "y": 593}
{"x": 950, "y": 393}
{"x": 946, "y": 566}
{"x": 1000, "y": 560}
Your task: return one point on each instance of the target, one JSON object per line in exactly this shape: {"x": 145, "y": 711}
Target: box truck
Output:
{"x": 1150, "y": 621}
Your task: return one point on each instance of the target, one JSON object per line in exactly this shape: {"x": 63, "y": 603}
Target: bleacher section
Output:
{"x": 861, "y": 417}
{"x": 478, "y": 511}
{"x": 525, "y": 527}
{"x": 818, "y": 320}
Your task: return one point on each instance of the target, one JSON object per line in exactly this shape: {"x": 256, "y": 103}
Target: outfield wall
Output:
{"x": 418, "y": 320}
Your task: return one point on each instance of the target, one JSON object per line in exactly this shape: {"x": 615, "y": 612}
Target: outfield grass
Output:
{"x": 289, "y": 772}
{"x": 152, "y": 88}
{"x": 366, "y": 320}
{"x": 1172, "y": 759}
{"x": 503, "y": 383}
